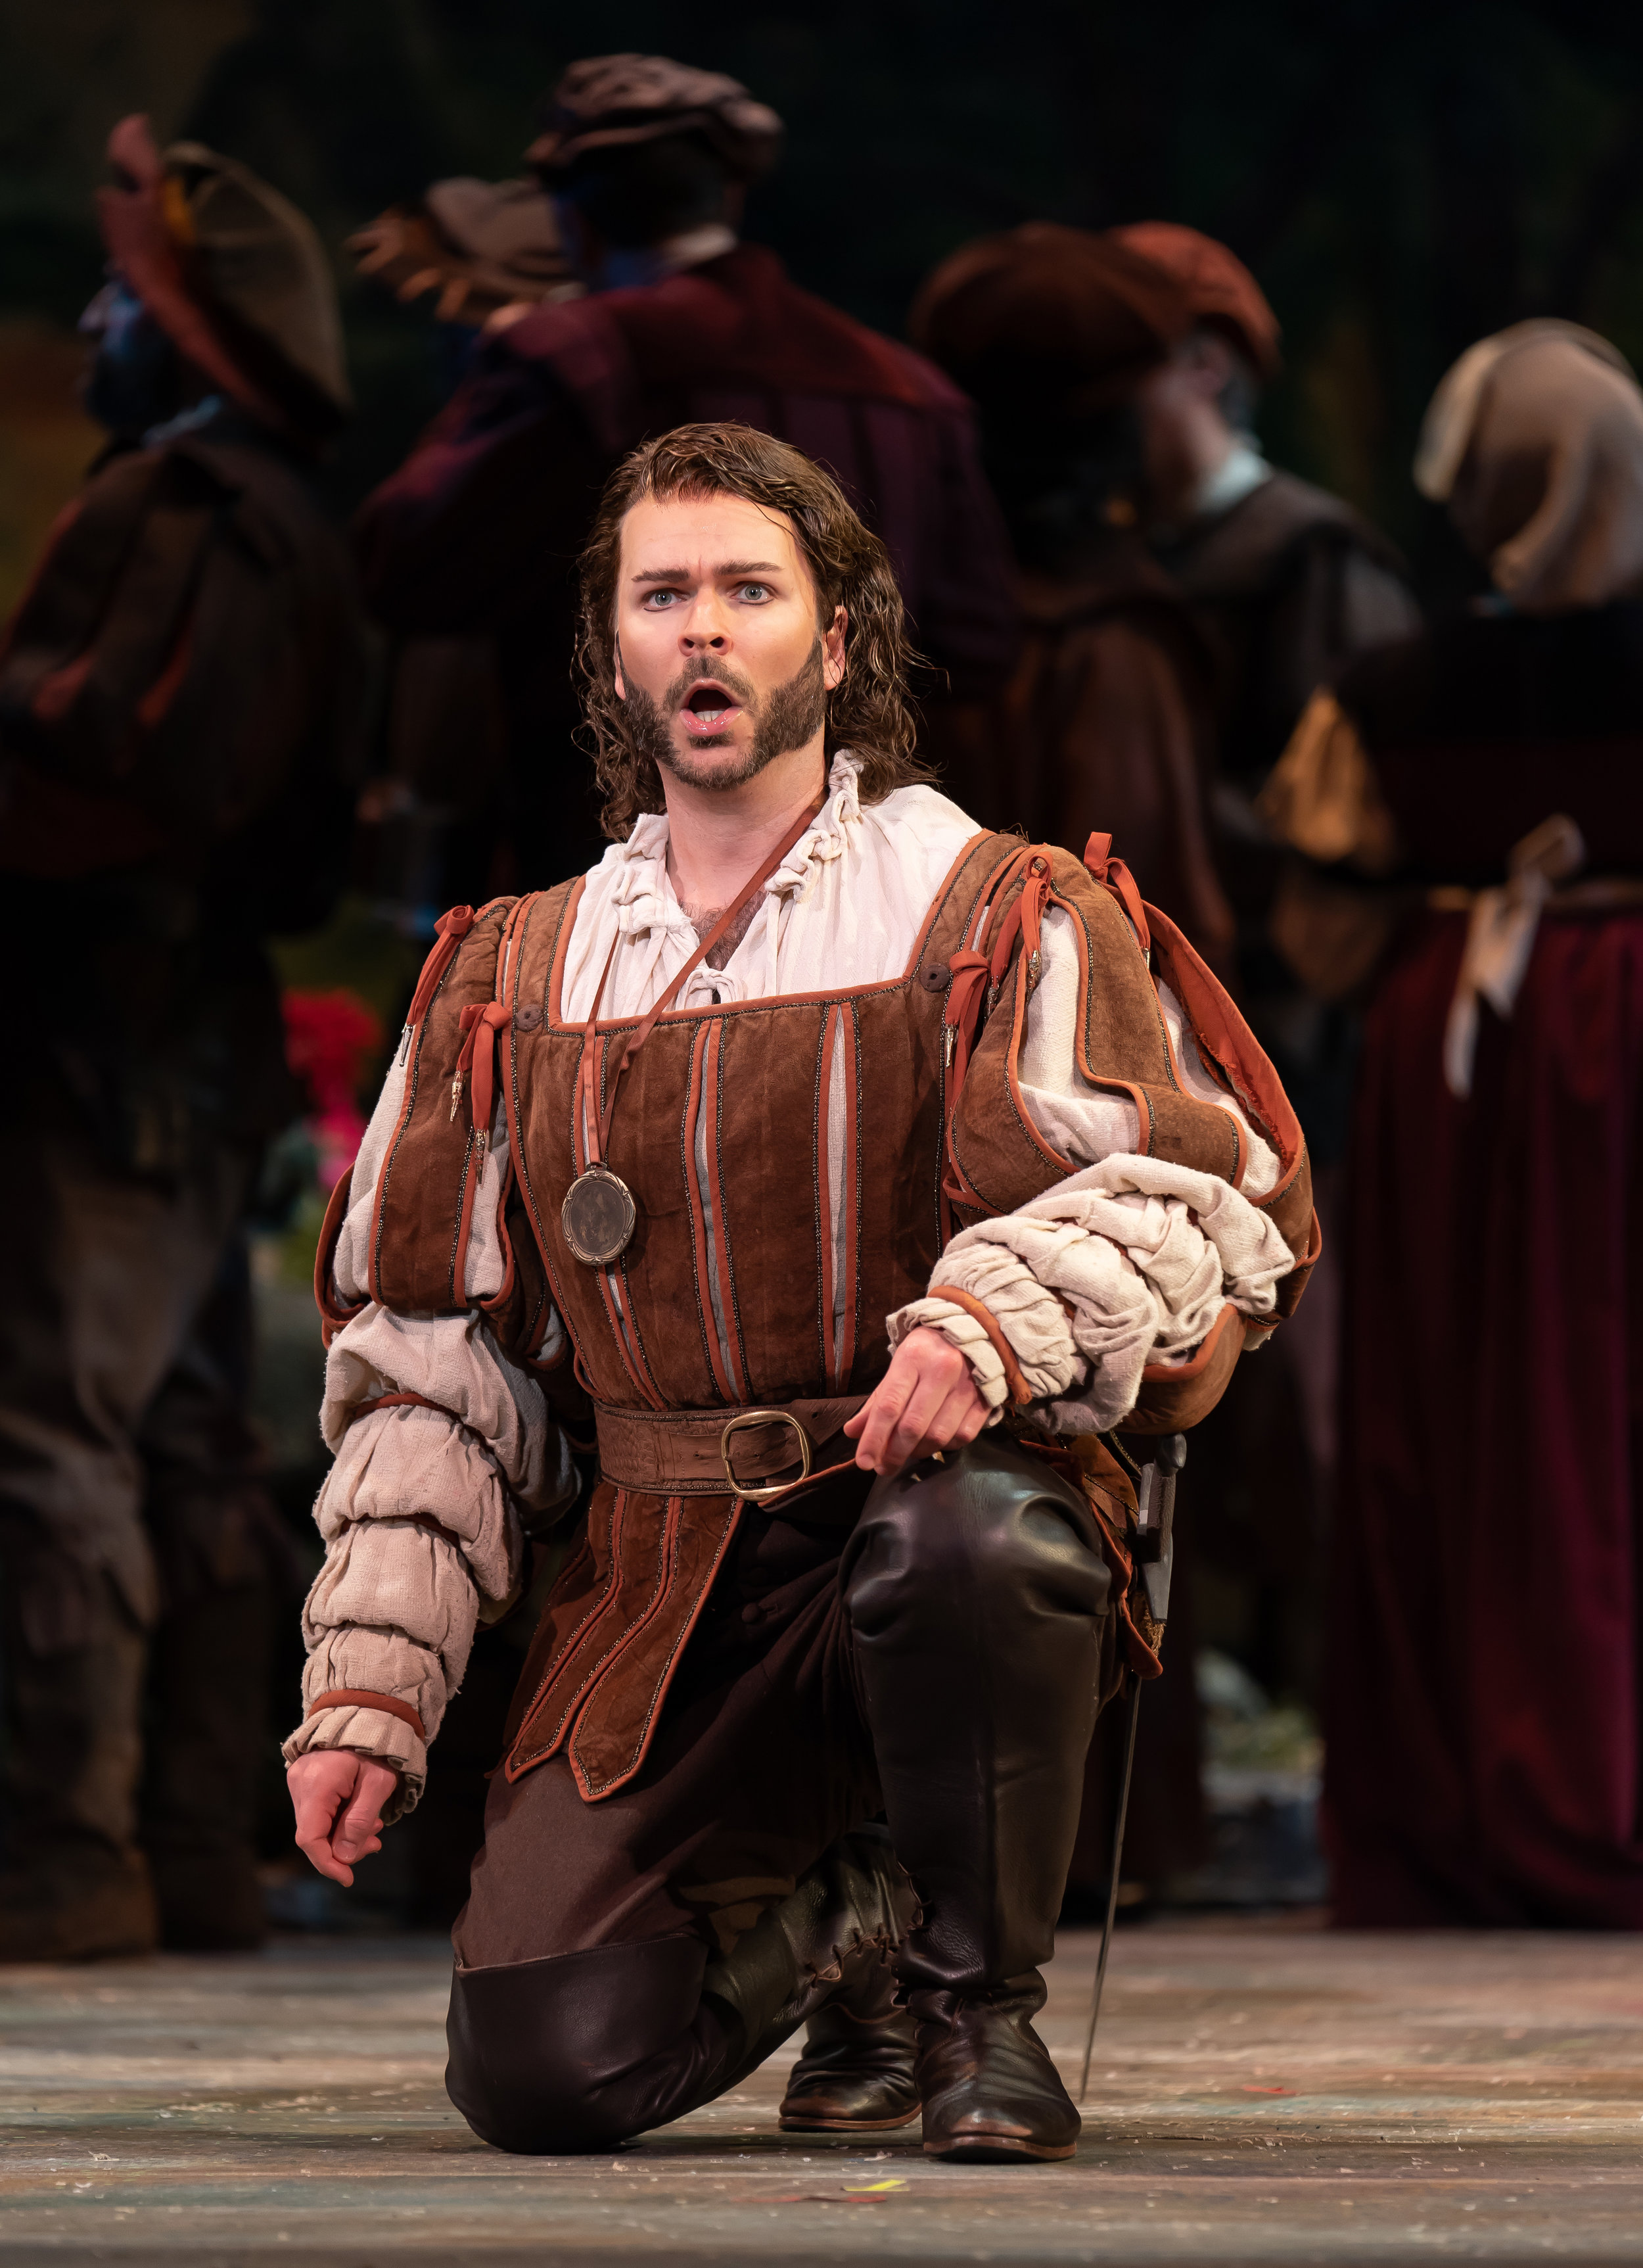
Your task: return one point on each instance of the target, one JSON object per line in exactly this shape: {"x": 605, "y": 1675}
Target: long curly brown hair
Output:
{"x": 869, "y": 711}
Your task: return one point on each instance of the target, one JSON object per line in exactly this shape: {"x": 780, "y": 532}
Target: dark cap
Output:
{"x": 1219, "y": 289}
{"x": 1059, "y": 314}
{"x": 607, "y": 102}
{"x": 232, "y": 273}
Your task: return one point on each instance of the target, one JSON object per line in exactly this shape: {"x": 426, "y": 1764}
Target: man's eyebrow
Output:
{"x": 729, "y": 567}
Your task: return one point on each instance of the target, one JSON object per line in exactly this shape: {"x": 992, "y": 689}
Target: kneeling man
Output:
{"x": 846, "y": 1172}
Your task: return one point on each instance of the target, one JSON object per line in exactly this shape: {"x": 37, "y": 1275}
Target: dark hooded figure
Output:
{"x": 180, "y": 693}
{"x": 1106, "y": 724}
{"x": 1481, "y": 782}
{"x": 1106, "y": 721}
{"x": 1288, "y": 581}
{"x": 649, "y": 162}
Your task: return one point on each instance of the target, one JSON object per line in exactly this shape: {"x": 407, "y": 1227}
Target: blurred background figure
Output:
{"x": 647, "y": 161}
{"x": 437, "y": 817}
{"x": 1107, "y": 720}
{"x": 1471, "y": 800}
{"x": 1285, "y": 583}
{"x": 1288, "y": 581}
{"x": 180, "y": 703}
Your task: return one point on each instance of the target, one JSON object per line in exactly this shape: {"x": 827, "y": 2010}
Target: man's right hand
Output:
{"x": 338, "y": 1796}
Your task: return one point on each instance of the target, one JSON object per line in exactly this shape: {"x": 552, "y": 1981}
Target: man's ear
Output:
{"x": 621, "y": 690}
{"x": 1212, "y": 364}
{"x": 832, "y": 649}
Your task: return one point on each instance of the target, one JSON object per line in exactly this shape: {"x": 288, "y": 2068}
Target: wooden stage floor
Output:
{"x": 1263, "y": 2094}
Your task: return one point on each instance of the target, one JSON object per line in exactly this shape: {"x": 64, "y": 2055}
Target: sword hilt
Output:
{"x": 1155, "y": 1521}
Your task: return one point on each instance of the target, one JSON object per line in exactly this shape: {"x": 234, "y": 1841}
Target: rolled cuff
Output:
{"x": 967, "y": 1333}
{"x": 1025, "y": 1314}
{"x": 372, "y": 1733}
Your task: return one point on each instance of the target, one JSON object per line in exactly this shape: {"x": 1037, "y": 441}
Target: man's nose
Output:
{"x": 704, "y": 629}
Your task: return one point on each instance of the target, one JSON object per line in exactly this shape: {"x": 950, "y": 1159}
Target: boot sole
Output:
{"x": 847, "y": 2126}
{"x": 998, "y": 2149}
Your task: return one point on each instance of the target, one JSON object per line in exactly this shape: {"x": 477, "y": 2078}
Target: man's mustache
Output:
{"x": 693, "y": 673}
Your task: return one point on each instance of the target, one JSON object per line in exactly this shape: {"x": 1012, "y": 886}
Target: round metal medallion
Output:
{"x": 599, "y": 1217}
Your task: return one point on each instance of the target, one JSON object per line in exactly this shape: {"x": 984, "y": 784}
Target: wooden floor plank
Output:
{"x": 1261, "y": 2094}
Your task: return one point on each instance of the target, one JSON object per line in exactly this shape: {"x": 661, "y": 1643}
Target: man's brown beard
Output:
{"x": 789, "y": 717}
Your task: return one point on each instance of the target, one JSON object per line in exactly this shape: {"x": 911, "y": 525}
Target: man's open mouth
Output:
{"x": 709, "y": 708}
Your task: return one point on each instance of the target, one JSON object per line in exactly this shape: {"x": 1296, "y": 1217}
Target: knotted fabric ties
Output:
{"x": 449, "y": 930}
{"x": 1115, "y": 876}
{"x": 481, "y": 1020}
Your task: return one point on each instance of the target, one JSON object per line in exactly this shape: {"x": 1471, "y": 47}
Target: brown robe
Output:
{"x": 1105, "y": 723}
{"x": 1287, "y": 585}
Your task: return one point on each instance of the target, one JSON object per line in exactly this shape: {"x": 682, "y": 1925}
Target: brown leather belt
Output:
{"x": 721, "y": 1451}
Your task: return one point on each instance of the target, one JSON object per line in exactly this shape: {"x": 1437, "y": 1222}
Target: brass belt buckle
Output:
{"x": 737, "y": 1424}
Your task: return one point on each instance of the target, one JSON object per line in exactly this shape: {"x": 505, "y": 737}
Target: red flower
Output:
{"x": 329, "y": 1039}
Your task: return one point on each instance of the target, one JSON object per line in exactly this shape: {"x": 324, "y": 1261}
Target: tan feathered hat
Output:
{"x": 233, "y": 274}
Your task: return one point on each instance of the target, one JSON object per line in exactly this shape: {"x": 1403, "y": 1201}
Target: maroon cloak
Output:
{"x": 479, "y": 530}
{"x": 1485, "y": 1655}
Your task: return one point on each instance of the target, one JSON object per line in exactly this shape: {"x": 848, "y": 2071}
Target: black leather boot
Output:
{"x": 989, "y": 2089}
{"x": 977, "y": 1594}
{"x": 830, "y": 1943}
{"x": 856, "y": 2076}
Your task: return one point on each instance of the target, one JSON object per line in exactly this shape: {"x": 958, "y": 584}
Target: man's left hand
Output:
{"x": 926, "y": 1399}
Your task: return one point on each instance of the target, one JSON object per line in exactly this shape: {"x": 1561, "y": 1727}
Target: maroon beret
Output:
{"x": 1218, "y": 286}
{"x": 1062, "y": 312}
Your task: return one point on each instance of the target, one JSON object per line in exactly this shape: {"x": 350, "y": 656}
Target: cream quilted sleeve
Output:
{"x": 422, "y": 1510}
{"x": 1127, "y": 1261}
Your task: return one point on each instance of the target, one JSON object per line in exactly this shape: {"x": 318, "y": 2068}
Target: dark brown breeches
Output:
{"x": 762, "y": 1758}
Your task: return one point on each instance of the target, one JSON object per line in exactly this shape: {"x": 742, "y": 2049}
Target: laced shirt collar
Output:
{"x": 644, "y": 897}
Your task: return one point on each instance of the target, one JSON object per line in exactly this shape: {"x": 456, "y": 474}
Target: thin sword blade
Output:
{"x": 1112, "y": 1886}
